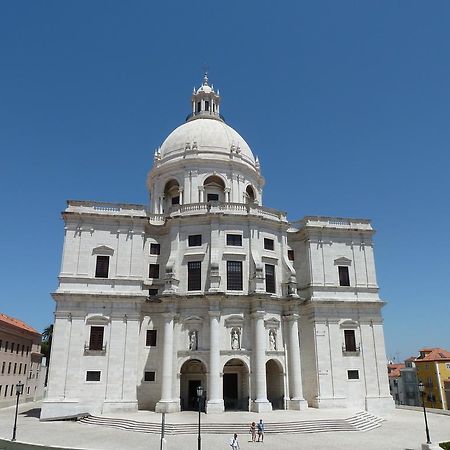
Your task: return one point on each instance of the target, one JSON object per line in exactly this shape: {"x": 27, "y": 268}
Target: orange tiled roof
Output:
{"x": 433, "y": 354}
{"x": 17, "y": 323}
{"x": 394, "y": 370}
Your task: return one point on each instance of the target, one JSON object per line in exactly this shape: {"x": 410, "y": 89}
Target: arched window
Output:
{"x": 172, "y": 193}
{"x": 251, "y": 197}
{"x": 214, "y": 189}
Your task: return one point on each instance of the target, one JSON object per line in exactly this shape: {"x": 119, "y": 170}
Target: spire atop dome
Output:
{"x": 205, "y": 102}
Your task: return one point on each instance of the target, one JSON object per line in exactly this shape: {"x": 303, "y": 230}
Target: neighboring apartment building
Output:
{"x": 20, "y": 360}
{"x": 396, "y": 382}
{"x": 410, "y": 383}
{"x": 433, "y": 369}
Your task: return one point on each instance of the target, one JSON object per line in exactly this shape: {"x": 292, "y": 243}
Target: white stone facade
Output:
{"x": 207, "y": 286}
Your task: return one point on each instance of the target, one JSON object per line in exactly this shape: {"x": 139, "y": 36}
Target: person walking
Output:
{"x": 253, "y": 431}
{"x": 260, "y": 431}
{"x": 234, "y": 443}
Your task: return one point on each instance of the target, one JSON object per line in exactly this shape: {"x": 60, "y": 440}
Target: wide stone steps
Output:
{"x": 362, "y": 421}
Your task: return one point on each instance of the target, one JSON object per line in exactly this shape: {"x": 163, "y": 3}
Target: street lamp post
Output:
{"x": 19, "y": 392}
{"x": 199, "y": 398}
{"x": 422, "y": 392}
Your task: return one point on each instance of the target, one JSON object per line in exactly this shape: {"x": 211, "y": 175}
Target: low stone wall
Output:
{"x": 444, "y": 412}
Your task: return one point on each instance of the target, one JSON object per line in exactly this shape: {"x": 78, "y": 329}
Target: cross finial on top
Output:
{"x": 205, "y": 77}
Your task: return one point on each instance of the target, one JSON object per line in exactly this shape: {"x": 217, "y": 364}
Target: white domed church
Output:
{"x": 207, "y": 287}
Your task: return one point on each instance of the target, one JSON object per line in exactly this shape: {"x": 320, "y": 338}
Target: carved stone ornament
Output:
{"x": 235, "y": 339}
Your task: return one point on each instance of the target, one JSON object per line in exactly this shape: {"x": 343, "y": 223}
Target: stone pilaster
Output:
{"x": 167, "y": 402}
{"x": 215, "y": 401}
{"x": 260, "y": 402}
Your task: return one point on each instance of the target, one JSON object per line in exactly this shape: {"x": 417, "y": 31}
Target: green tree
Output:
{"x": 46, "y": 346}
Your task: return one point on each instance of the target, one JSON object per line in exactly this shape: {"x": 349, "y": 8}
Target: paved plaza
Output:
{"x": 403, "y": 430}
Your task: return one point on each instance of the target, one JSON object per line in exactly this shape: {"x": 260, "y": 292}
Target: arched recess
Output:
{"x": 171, "y": 193}
{"x": 236, "y": 385}
{"x": 192, "y": 375}
{"x": 250, "y": 194}
{"x": 214, "y": 189}
{"x": 275, "y": 383}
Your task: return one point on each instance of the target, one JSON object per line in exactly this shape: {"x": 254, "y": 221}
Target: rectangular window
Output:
{"x": 234, "y": 275}
{"x": 149, "y": 376}
{"x": 344, "y": 278}
{"x": 150, "y": 339}
{"x": 25, "y": 369}
{"x": 28, "y": 390}
{"x": 155, "y": 249}
{"x": 11, "y": 391}
{"x": 6, "y": 346}
{"x": 176, "y": 200}
{"x": 270, "y": 278}
{"x": 93, "y": 375}
{"x": 96, "y": 338}
{"x": 102, "y": 266}
{"x": 1, "y": 343}
{"x": 15, "y": 368}
{"x": 268, "y": 244}
{"x": 350, "y": 340}
{"x": 12, "y": 347}
{"x": 28, "y": 350}
{"x": 194, "y": 275}
{"x": 291, "y": 255}
{"x": 23, "y": 349}
{"x": 195, "y": 240}
{"x": 9, "y": 367}
{"x": 353, "y": 374}
{"x": 152, "y": 292}
{"x": 3, "y": 367}
{"x": 212, "y": 197}
{"x": 6, "y": 390}
{"x": 153, "y": 271}
{"x": 234, "y": 239}
{"x": 17, "y": 349}
{"x": 20, "y": 368}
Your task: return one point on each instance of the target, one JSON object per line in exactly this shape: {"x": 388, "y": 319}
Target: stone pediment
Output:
{"x": 348, "y": 323}
{"x": 102, "y": 249}
{"x": 236, "y": 320}
{"x": 97, "y": 319}
{"x": 272, "y": 322}
{"x": 193, "y": 320}
{"x": 343, "y": 262}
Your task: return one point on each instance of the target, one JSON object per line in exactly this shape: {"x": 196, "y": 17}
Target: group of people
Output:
{"x": 256, "y": 431}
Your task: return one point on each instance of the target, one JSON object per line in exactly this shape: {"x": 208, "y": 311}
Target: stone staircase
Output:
{"x": 361, "y": 421}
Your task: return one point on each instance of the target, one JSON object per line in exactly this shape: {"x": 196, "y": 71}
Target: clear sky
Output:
{"x": 347, "y": 105}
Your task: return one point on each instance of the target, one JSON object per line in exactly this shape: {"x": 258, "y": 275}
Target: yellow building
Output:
{"x": 433, "y": 370}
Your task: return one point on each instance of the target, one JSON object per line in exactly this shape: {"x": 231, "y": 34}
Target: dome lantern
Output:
{"x": 205, "y": 102}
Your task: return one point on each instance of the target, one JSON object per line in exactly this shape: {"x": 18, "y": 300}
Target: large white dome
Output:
{"x": 210, "y": 136}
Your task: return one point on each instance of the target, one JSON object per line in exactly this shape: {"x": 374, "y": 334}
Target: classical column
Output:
{"x": 201, "y": 194}
{"x": 167, "y": 403}
{"x": 215, "y": 400}
{"x": 180, "y": 193}
{"x": 296, "y": 400}
{"x": 260, "y": 402}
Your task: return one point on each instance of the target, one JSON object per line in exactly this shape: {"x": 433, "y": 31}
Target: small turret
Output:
{"x": 205, "y": 102}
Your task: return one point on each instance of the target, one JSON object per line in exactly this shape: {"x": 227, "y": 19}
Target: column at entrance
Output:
{"x": 167, "y": 403}
{"x": 260, "y": 402}
{"x": 215, "y": 400}
{"x": 296, "y": 400}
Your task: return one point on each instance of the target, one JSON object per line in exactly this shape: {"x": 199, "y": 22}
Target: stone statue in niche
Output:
{"x": 235, "y": 339}
{"x": 272, "y": 340}
{"x": 193, "y": 340}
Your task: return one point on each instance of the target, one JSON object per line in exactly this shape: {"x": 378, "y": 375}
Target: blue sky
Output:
{"x": 346, "y": 103}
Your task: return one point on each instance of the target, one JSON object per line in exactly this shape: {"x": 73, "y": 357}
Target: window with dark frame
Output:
{"x": 93, "y": 375}
{"x": 150, "y": 338}
{"x": 234, "y": 275}
{"x": 15, "y": 368}
{"x": 353, "y": 374}
{"x": 195, "y": 240}
{"x": 23, "y": 349}
{"x": 270, "y": 278}
{"x": 3, "y": 367}
{"x": 234, "y": 240}
{"x": 96, "y": 338}
{"x": 149, "y": 376}
{"x": 6, "y": 346}
{"x": 194, "y": 275}
{"x": 12, "y": 347}
{"x": 102, "y": 266}
{"x": 176, "y": 200}
{"x": 9, "y": 368}
{"x": 153, "y": 271}
{"x": 268, "y": 244}
{"x": 291, "y": 255}
{"x": 155, "y": 249}
{"x": 350, "y": 340}
{"x": 344, "y": 278}
{"x": 212, "y": 197}
{"x": 152, "y": 292}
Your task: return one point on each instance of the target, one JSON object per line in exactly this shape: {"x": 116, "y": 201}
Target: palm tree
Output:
{"x": 46, "y": 346}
